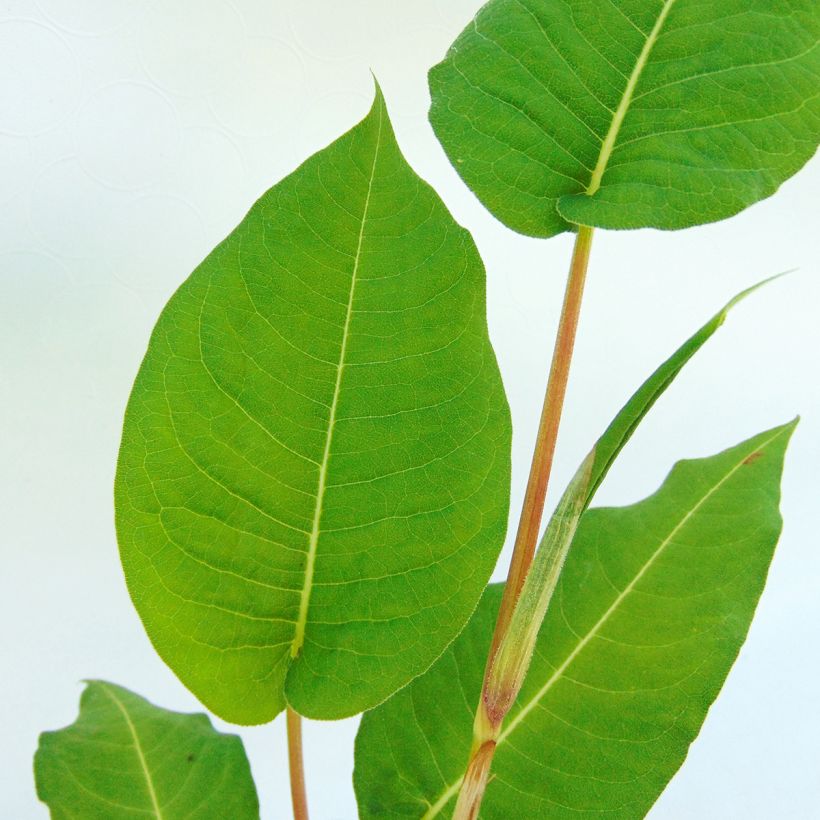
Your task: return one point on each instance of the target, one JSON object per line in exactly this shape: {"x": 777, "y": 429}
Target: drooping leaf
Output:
{"x": 124, "y": 758}
{"x": 313, "y": 480}
{"x": 652, "y": 607}
{"x": 629, "y": 113}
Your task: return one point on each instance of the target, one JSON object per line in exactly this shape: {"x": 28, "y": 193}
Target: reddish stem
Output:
{"x": 297, "y": 769}
{"x": 488, "y": 726}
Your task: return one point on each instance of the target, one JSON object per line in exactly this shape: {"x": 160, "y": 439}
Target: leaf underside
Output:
{"x": 629, "y": 113}
{"x": 653, "y": 605}
{"x": 124, "y": 758}
{"x": 313, "y": 480}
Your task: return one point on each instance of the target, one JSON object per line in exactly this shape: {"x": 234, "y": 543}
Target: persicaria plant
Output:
{"x": 314, "y": 477}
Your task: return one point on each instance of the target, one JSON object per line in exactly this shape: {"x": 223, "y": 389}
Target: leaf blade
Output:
{"x": 626, "y": 665}
{"x": 326, "y": 366}
{"x": 124, "y": 757}
{"x": 664, "y": 114}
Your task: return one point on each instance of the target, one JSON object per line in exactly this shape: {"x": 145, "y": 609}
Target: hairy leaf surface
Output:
{"x": 629, "y": 113}
{"x": 650, "y": 612}
{"x": 314, "y": 474}
{"x": 124, "y": 758}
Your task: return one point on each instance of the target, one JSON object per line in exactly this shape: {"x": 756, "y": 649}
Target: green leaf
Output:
{"x": 515, "y": 650}
{"x": 124, "y": 758}
{"x": 620, "y": 430}
{"x": 313, "y": 480}
{"x": 629, "y": 113}
{"x": 652, "y": 607}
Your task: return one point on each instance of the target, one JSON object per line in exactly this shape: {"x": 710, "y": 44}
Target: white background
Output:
{"x": 134, "y": 136}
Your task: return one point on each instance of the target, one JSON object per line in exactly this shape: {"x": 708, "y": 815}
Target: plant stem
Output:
{"x": 488, "y": 726}
{"x": 297, "y": 767}
{"x": 541, "y": 467}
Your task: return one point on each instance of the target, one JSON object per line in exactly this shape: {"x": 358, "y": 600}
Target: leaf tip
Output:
{"x": 750, "y": 290}
{"x": 784, "y": 432}
{"x": 378, "y": 96}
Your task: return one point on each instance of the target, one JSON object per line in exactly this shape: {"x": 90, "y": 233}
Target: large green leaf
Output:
{"x": 650, "y": 612}
{"x": 313, "y": 481}
{"x": 629, "y": 113}
{"x": 125, "y": 758}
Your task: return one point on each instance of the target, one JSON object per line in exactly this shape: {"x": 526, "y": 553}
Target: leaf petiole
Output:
{"x": 296, "y": 764}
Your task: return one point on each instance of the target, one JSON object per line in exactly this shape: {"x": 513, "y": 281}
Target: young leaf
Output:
{"x": 313, "y": 480}
{"x": 650, "y": 612}
{"x": 124, "y": 757}
{"x": 629, "y": 113}
{"x": 515, "y": 650}
{"x": 620, "y": 430}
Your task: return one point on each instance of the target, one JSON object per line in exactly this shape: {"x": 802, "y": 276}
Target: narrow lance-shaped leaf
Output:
{"x": 629, "y": 113}
{"x": 651, "y": 609}
{"x": 314, "y": 474}
{"x": 620, "y": 430}
{"x": 124, "y": 758}
{"x": 515, "y": 651}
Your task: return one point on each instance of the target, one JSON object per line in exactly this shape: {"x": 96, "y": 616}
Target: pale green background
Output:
{"x": 133, "y": 137}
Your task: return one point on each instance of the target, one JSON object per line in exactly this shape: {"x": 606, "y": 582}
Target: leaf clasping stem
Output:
{"x": 296, "y": 765}
{"x": 487, "y": 726}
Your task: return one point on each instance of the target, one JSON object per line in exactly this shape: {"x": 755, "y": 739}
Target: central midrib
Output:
{"x": 313, "y": 543}
{"x": 608, "y": 145}
{"x": 453, "y": 788}
{"x": 138, "y": 747}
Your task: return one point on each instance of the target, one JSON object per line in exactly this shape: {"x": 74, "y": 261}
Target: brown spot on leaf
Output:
{"x": 752, "y": 457}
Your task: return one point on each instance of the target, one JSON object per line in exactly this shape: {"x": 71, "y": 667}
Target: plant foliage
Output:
{"x": 650, "y": 612}
{"x": 313, "y": 481}
{"x": 629, "y": 113}
{"x": 124, "y": 758}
